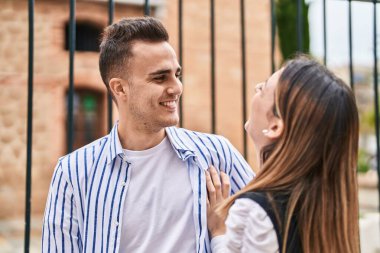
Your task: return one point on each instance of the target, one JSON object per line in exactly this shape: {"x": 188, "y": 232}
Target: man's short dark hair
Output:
{"x": 117, "y": 41}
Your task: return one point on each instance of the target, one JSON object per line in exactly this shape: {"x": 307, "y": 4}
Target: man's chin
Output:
{"x": 170, "y": 122}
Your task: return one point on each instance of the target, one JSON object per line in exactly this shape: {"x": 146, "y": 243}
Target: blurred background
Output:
{"x": 225, "y": 48}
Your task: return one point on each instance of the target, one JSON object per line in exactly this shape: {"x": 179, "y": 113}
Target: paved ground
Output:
{"x": 369, "y": 219}
{"x": 12, "y": 235}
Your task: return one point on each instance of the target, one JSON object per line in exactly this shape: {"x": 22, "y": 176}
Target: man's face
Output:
{"x": 154, "y": 86}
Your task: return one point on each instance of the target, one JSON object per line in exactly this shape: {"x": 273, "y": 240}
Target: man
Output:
{"x": 142, "y": 188}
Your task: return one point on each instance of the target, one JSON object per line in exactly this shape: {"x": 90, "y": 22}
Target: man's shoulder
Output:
{"x": 198, "y": 138}
{"x": 211, "y": 149}
{"x": 91, "y": 149}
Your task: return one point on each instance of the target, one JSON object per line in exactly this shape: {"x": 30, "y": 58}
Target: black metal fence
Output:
{"x": 111, "y": 7}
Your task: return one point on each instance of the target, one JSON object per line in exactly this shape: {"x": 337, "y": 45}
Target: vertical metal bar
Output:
{"x": 273, "y": 34}
{"x": 111, "y": 14}
{"x": 324, "y": 34}
{"x": 28, "y": 190}
{"x": 376, "y": 91}
{"x": 70, "y": 113}
{"x": 111, "y": 11}
{"x": 350, "y": 44}
{"x": 147, "y": 8}
{"x": 300, "y": 25}
{"x": 180, "y": 49}
{"x": 212, "y": 27}
{"x": 244, "y": 76}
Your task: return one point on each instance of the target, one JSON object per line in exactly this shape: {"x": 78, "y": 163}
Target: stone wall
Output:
{"x": 51, "y": 79}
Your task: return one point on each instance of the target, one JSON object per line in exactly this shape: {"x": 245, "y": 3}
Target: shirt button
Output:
{"x": 116, "y": 223}
{"x": 123, "y": 184}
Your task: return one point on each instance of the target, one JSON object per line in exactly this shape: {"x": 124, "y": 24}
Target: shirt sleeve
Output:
{"x": 60, "y": 225}
{"x": 248, "y": 229}
{"x": 240, "y": 172}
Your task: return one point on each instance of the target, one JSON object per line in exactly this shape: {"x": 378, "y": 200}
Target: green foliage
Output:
{"x": 367, "y": 121}
{"x": 363, "y": 161}
{"x": 286, "y": 16}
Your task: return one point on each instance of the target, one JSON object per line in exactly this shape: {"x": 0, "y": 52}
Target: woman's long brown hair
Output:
{"x": 315, "y": 159}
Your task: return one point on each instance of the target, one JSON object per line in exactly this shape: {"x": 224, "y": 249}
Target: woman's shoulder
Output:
{"x": 250, "y": 228}
{"x": 247, "y": 212}
{"x": 245, "y": 207}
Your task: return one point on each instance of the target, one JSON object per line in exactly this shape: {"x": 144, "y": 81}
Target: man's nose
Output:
{"x": 175, "y": 87}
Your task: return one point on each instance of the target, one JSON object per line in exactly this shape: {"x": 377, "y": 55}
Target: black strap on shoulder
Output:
{"x": 262, "y": 199}
{"x": 279, "y": 201}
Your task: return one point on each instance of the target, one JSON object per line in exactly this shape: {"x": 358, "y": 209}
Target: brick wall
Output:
{"x": 51, "y": 79}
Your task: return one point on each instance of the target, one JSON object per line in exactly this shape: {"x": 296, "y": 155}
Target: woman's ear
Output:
{"x": 275, "y": 129}
{"x": 117, "y": 88}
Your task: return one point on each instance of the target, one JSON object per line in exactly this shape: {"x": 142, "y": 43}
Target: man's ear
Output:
{"x": 118, "y": 88}
{"x": 276, "y": 128}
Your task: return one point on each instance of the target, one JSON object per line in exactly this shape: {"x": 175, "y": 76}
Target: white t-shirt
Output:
{"x": 158, "y": 214}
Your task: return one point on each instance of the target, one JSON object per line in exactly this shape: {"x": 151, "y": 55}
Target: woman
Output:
{"x": 304, "y": 123}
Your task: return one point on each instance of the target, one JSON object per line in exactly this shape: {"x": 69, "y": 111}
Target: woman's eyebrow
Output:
{"x": 266, "y": 81}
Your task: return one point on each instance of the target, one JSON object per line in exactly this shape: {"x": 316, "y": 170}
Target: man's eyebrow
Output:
{"x": 160, "y": 72}
{"x": 163, "y": 71}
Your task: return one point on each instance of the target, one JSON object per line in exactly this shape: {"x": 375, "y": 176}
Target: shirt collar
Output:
{"x": 115, "y": 147}
{"x": 182, "y": 150}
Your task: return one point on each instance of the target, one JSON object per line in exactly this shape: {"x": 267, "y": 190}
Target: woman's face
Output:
{"x": 261, "y": 116}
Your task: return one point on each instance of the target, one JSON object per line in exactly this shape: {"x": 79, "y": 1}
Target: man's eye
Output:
{"x": 159, "y": 78}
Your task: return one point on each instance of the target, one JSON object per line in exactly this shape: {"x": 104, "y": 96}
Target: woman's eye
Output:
{"x": 259, "y": 87}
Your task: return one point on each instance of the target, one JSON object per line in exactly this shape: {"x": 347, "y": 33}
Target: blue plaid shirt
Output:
{"x": 85, "y": 202}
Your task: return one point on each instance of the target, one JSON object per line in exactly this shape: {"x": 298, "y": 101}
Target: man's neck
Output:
{"x": 132, "y": 138}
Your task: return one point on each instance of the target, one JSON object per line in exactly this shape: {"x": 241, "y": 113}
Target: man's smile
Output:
{"x": 170, "y": 104}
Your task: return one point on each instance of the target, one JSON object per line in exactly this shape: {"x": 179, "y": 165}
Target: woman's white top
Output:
{"x": 248, "y": 229}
